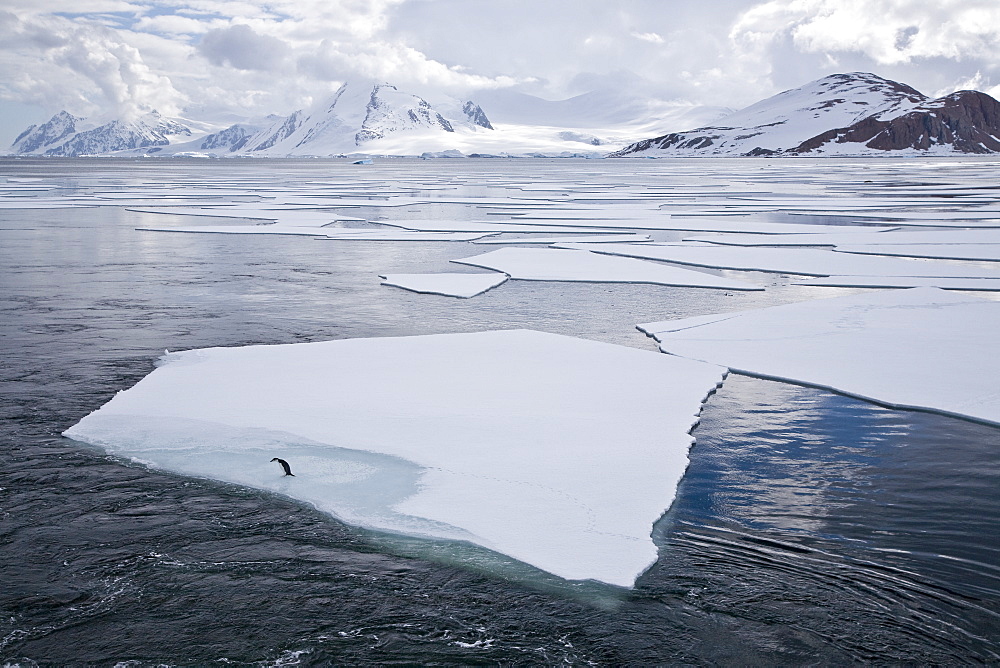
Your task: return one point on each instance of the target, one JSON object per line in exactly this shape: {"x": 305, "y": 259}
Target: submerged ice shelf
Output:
{"x": 556, "y": 451}
{"x": 918, "y": 348}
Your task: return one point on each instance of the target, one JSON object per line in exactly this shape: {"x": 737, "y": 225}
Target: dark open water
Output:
{"x": 811, "y": 528}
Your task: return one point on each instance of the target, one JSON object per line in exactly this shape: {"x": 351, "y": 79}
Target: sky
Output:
{"x": 224, "y": 60}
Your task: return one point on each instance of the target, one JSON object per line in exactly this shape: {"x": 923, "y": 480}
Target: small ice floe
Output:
{"x": 979, "y": 252}
{"x": 920, "y": 348}
{"x": 855, "y": 237}
{"x": 980, "y": 284}
{"x": 556, "y": 451}
{"x": 963, "y": 218}
{"x": 489, "y": 226}
{"x": 600, "y": 239}
{"x": 449, "y": 284}
{"x": 803, "y": 261}
{"x": 324, "y": 233}
{"x": 553, "y": 264}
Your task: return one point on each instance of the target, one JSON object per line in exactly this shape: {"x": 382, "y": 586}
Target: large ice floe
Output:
{"x": 804, "y": 261}
{"x": 978, "y": 284}
{"x": 553, "y": 264}
{"x": 918, "y": 348}
{"x": 556, "y": 451}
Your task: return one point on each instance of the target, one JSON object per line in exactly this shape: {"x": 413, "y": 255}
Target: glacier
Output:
{"x": 557, "y": 451}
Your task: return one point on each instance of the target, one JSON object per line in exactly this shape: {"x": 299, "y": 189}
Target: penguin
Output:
{"x": 284, "y": 465}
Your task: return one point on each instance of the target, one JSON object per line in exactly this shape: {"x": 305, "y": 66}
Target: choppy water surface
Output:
{"x": 810, "y": 528}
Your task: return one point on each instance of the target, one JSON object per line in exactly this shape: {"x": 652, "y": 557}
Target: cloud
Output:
{"x": 240, "y": 47}
{"x": 392, "y": 62}
{"x": 888, "y": 32}
{"x": 648, "y": 37}
{"x": 83, "y": 66}
{"x": 237, "y": 57}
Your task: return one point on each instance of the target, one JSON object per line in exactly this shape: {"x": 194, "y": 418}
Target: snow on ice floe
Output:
{"x": 852, "y": 237}
{"x": 965, "y": 218}
{"x": 920, "y": 348}
{"x": 277, "y": 216}
{"x": 602, "y": 239}
{"x": 979, "y": 252}
{"x": 491, "y": 226}
{"x": 552, "y": 264}
{"x": 556, "y": 451}
{"x": 979, "y": 284}
{"x": 325, "y": 233}
{"x": 447, "y": 284}
{"x": 687, "y": 222}
{"x": 804, "y": 261}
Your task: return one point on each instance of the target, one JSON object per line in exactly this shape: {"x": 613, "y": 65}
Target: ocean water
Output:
{"x": 811, "y": 528}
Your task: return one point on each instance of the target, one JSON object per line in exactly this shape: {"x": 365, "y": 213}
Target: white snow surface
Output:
{"x": 601, "y": 239}
{"x": 447, "y": 284}
{"x": 554, "y": 264}
{"x": 980, "y": 252}
{"x": 853, "y": 237}
{"x": 792, "y": 260}
{"x": 981, "y": 284}
{"x": 559, "y": 452}
{"x": 919, "y": 348}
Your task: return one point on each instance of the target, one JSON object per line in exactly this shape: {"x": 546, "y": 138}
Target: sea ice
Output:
{"x": 804, "y": 261}
{"x": 325, "y": 233}
{"x": 559, "y": 452}
{"x": 552, "y": 264}
{"x": 497, "y": 226}
{"x": 981, "y": 284}
{"x": 853, "y": 237}
{"x": 602, "y": 239}
{"x": 448, "y": 285}
{"x": 980, "y": 252}
{"x": 657, "y": 220}
{"x": 918, "y": 348}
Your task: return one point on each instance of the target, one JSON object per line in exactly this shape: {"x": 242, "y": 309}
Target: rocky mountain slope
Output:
{"x": 842, "y": 114}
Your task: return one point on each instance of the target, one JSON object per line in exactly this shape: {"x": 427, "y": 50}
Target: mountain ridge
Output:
{"x": 857, "y": 113}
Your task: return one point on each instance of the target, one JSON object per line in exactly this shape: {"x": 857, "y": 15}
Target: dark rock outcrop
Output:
{"x": 967, "y": 120}
{"x": 476, "y": 115}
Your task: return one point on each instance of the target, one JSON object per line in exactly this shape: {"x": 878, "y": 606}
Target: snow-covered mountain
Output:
{"x": 379, "y": 119}
{"x": 51, "y": 133}
{"x": 62, "y": 135}
{"x": 844, "y": 114}
{"x": 789, "y": 118}
{"x": 966, "y": 121}
{"x": 355, "y": 116}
